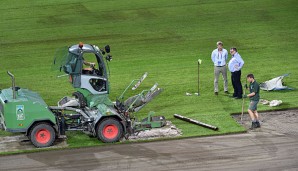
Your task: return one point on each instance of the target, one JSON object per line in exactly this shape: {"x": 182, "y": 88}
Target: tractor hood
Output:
{"x": 22, "y": 95}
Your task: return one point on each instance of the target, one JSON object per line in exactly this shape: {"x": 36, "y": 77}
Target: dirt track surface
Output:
{"x": 273, "y": 147}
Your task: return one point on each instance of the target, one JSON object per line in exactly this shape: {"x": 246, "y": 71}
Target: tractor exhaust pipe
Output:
{"x": 13, "y": 84}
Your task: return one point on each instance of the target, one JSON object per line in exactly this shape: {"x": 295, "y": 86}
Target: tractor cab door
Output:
{"x": 70, "y": 63}
{"x": 94, "y": 77}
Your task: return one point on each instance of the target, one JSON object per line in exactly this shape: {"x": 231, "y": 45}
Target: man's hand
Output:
{"x": 92, "y": 64}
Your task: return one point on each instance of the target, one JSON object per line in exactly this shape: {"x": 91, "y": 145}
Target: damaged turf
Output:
{"x": 170, "y": 130}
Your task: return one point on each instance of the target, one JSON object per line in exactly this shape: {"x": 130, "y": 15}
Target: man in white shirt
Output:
{"x": 235, "y": 65}
{"x": 219, "y": 57}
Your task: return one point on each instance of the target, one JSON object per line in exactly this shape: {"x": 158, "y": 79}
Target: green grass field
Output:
{"x": 164, "y": 38}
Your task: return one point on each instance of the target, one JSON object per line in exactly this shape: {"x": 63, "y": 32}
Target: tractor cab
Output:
{"x": 85, "y": 64}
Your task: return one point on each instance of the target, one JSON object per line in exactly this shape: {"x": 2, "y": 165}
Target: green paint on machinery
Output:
{"x": 26, "y": 108}
{"x": 89, "y": 109}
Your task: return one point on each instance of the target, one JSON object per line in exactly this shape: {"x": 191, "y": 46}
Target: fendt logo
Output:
{"x": 20, "y": 112}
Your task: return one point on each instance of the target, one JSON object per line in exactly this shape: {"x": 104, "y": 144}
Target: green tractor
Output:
{"x": 89, "y": 109}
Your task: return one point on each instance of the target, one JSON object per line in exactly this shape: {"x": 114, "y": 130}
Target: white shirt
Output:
{"x": 236, "y": 63}
{"x": 219, "y": 57}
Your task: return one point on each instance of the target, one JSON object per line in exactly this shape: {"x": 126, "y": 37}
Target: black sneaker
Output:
{"x": 258, "y": 125}
{"x": 215, "y": 93}
{"x": 227, "y": 92}
{"x": 253, "y": 125}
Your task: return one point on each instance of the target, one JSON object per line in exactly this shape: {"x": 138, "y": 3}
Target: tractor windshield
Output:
{"x": 64, "y": 60}
{"x": 61, "y": 58}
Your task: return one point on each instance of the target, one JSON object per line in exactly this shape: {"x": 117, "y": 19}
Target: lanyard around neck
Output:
{"x": 218, "y": 52}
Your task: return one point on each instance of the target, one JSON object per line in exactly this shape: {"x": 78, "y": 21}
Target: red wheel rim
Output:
{"x": 110, "y": 131}
{"x": 43, "y": 136}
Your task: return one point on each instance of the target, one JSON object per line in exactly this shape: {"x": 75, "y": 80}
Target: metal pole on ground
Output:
{"x": 196, "y": 122}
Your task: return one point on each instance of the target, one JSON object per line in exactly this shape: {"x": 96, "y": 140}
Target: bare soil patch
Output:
{"x": 275, "y": 122}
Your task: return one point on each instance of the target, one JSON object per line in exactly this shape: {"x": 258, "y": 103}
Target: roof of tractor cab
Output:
{"x": 86, "y": 48}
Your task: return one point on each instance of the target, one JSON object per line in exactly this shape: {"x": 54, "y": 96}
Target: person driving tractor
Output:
{"x": 91, "y": 64}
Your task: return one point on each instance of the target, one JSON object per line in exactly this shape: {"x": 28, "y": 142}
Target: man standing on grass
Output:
{"x": 219, "y": 57}
{"x": 254, "y": 97}
{"x": 235, "y": 65}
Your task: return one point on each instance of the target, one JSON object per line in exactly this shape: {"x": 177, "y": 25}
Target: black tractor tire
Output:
{"x": 81, "y": 98}
{"x": 42, "y": 135}
{"x": 109, "y": 130}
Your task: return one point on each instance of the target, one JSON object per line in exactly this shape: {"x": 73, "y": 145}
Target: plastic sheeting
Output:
{"x": 275, "y": 84}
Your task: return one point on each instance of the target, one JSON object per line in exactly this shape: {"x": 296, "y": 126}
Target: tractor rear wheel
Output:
{"x": 109, "y": 130}
{"x": 81, "y": 98}
{"x": 42, "y": 135}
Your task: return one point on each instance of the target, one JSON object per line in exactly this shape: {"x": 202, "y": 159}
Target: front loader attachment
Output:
{"x": 137, "y": 102}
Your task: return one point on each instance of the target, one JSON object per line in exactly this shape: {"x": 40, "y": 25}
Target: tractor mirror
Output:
{"x": 107, "y": 48}
{"x": 140, "y": 81}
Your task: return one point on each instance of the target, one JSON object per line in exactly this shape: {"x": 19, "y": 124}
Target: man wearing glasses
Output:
{"x": 235, "y": 65}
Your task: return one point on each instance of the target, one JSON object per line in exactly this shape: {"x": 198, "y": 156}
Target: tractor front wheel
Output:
{"x": 109, "y": 130}
{"x": 42, "y": 135}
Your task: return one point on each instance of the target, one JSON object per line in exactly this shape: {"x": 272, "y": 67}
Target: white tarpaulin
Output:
{"x": 275, "y": 84}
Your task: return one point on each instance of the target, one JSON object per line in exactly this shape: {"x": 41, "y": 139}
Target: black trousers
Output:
{"x": 236, "y": 82}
